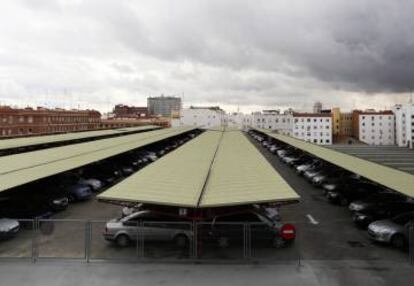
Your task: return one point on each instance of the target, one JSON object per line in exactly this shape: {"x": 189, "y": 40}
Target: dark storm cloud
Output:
{"x": 234, "y": 52}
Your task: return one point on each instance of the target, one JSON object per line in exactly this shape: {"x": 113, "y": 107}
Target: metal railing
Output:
{"x": 91, "y": 240}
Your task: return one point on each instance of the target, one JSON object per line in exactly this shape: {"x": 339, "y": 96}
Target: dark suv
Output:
{"x": 227, "y": 229}
{"x": 346, "y": 193}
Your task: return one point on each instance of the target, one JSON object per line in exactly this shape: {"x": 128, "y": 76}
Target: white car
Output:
{"x": 151, "y": 225}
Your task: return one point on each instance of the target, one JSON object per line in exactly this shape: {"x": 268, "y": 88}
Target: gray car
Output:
{"x": 8, "y": 228}
{"x": 152, "y": 226}
{"x": 393, "y": 231}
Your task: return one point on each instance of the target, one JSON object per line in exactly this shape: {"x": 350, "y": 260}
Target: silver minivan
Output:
{"x": 151, "y": 226}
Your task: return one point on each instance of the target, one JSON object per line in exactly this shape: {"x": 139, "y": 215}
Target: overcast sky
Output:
{"x": 238, "y": 54}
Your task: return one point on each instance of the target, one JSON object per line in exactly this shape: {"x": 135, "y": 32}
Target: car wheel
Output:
{"x": 278, "y": 242}
{"x": 398, "y": 241}
{"x": 122, "y": 240}
{"x": 181, "y": 240}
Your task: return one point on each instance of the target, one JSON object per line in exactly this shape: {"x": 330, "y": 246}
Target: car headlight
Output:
{"x": 355, "y": 207}
{"x": 361, "y": 217}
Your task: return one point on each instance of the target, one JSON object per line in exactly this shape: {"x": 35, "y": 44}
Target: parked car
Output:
{"x": 302, "y": 168}
{"x": 154, "y": 226}
{"x": 45, "y": 194}
{"x": 376, "y": 200}
{"x": 381, "y": 211}
{"x": 94, "y": 183}
{"x": 227, "y": 229}
{"x": 285, "y": 152}
{"x": 151, "y": 156}
{"x": 299, "y": 161}
{"x": 394, "y": 231}
{"x": 334, "y": 172}
{"x": 8, "y": 228}
{"x": 266, "y": 143}
{"x": 78, "y": 192}
{"x": 273, "y": 148}
{"x": 310, "y": 173}
{"x": 105, "y": 172}
{"x": 352, "y": 191}
{"x": 22, "y": 209}
{"x": 290, "y": 157}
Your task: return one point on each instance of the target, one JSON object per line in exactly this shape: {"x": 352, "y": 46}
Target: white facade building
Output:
{"x": 235, "y": 120}
{"x": 314, "y": 128}
{"x": 310, "y": 127}
{"x": 376, "y": 128}
{"x": 203, "y": 117}
{"x": 273, "y": 120}
{"x": 404, "y": 124}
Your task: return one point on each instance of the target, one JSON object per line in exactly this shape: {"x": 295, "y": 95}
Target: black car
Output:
{"x": 55, "y": 200}
{"x": 102, "y": 171}
{"x": 346, "y": 193}
{"x": 300, "y": 160}
{"x": 23, "y": 209}
{"x": 330, "y": 173}
{"x": 381, "y": 211}
{"x": 43, "y": 195}
{"x": 78, "y": 192}
{"x": 227, "y": 229}
{"x": 376, "y": 200}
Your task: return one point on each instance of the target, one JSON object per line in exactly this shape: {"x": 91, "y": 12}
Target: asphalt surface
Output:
{"x": 312, "y": 273}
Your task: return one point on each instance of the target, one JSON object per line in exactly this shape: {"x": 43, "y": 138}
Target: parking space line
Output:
{"x": 312, "y": 220}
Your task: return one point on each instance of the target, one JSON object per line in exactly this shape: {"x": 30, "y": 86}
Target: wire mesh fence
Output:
{"x": 195, "y": 241}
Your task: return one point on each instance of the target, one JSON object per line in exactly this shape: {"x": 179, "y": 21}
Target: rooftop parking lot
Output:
{"x": 324, "y": 231}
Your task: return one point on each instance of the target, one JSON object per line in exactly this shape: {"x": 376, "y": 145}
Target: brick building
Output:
{"x": 126, "y": 111}
{"x": 28, "y": 121}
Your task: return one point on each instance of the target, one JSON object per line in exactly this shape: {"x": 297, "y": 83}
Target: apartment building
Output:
{"x": 404, "y": 124}
{"x": 313, "y": 127}
{"x": 273, "y": 120}
{"x": 374, "y": 127}
{"x": 29, "y": 121}
{"x": 163, "y": 105}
